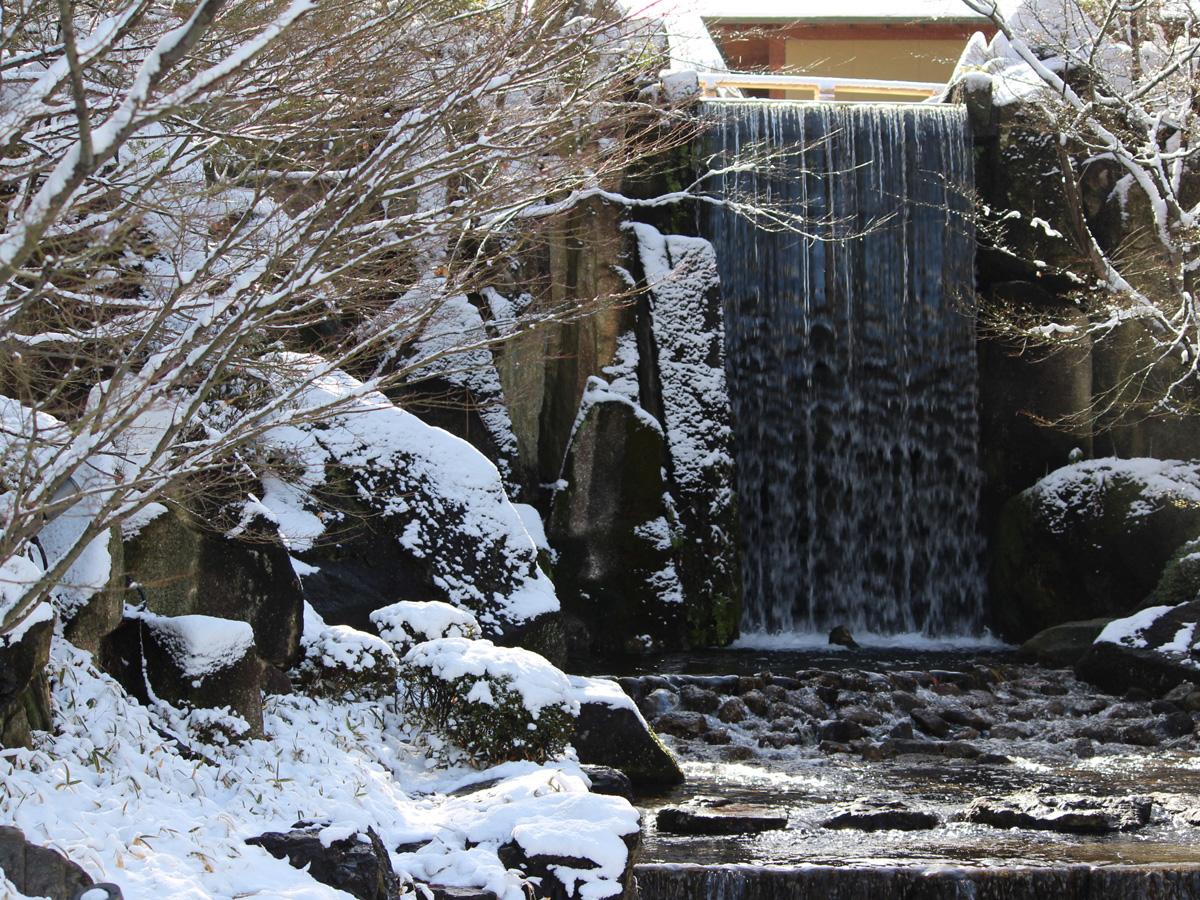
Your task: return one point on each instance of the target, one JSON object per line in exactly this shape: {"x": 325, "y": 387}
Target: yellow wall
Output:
{"x": 891, "y": 60}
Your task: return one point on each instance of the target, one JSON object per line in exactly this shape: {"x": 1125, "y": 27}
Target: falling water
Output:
{"x": 851, "y": 358}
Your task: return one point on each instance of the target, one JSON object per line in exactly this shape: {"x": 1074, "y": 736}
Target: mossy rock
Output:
{"x": 1180, "y": 579}
{"x": 1090, "y": 541}
{"x": 24, "y": 691}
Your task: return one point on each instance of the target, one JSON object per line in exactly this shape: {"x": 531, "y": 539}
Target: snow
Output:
{"x": 1159, "y": 481}
{"x": 603, "y": 691}
{"x": 200, "y": 645}
{"x": 17, "y": 576}
{"x": 532, "y": 677}
{"x": 109, "y": 792}
{"x": 814, "y": 10}
{"x": 412, "y": 622}
{"x": 536, "y": 528}
{"x": 1129, "y": 631}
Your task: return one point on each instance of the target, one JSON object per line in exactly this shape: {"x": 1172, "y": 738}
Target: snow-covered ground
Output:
{"x": 108, "y": 790}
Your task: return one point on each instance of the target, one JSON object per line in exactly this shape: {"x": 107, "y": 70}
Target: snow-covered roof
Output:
{"x": 825, "y": 12}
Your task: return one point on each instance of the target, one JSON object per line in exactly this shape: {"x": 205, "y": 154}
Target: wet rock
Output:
{"x": 358, "y": 865}
{"x": 903, "y": 681}
{"x": 718, "y": 817}
{"x": 1177, "y": 724}
{"x": 957, "y": 715}
{"x": 1090, "y": 707}
{"x": 841, "y": 636}
{"x": 841, "y": 731}
{"x": 756, "y": 702}
{"x": 737, "y": 753}
{"x": 947, "y": 690}
{"x": 732, "y": 710}
{"x": 1068, "y": 814}
{"x": 903, "y": 730}
{"x": 1083, "y": 748}
{"x": 905, "y": 701}
{"x": 948, "y": 749}
{"x": 38, "y": 871}
{"x": 827, "y": 694}
{"x": 1141, "y": 735}
{"x": 658, "y": 702}
{"x": 777, "y": 740}
{"x": 783, "y": 723}
{"x": 1010, "y": 731}
{"x": 618, "y": 737}
{"x": 882, "y": 816}
{"x": 861, "y": 716}
{"x": 930, "y": 722}
{"x": 698, "y": 699}
{"x": 810, "y": 705}
{"x": 963, "y": 680}
{"x": 610, "y": 781}
{"x": 747, "y": 683}
{"x": 717, "y": 736}
{"x": 682, "y": 724}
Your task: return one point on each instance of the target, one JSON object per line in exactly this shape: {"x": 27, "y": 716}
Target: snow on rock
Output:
{"x": 453, "y": 347}
{"x": 411, "y": 622}
{"x": 443, "y": 500}
{"x": 1158, "y": 482}
{"x": 538, "y": 682}
{"x": 107, "y": 790}
{"x": 200, "y": 645}
{"x": 17, "y": 576}
{"x": 1130, "y": 632}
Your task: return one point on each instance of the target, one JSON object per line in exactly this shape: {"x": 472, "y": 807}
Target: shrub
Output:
{"x": 340, "y": 660}
{"x": 411, "y": 622}
{"x": 493, "y": 703}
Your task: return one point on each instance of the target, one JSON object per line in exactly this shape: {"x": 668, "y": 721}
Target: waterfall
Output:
{"x": 850, "y": 351}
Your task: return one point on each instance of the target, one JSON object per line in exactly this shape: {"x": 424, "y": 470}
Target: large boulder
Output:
{"x": 194, "y": 663}
{"x": 381, "y": 507}
{"x": 1090, "y": 540}
{"x": 24, "y": 692}
{"x": 1155, "y": 649}
{"x": 615, "y": 530}
{"x": 185, "y": 568}
{"x": 610, "y": 731}
{"x": 1063, "y": 645}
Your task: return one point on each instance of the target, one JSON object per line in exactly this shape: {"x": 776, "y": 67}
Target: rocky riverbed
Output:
{"x": 859, "y": 759}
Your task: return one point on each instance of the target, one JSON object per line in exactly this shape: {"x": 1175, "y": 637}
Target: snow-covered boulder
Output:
{"x": 410, "y": 622}
{"x": 202, "y": 666}
{"x": 184, "y": 568}
{"x": 1090, "y": 540}
{"x": 358, "y": 864}
{"x": 491, "y": 703}
{"x": 1155, "y": 649}
{"x": 340, "y": 661}
{"x": 382, "y": 507}
{"x": 611, "y": 731}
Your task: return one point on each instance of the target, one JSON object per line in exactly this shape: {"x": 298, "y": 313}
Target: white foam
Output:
{"x": 802, "y": 640}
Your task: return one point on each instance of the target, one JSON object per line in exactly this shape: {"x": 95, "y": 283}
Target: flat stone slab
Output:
{"x": 1068, "y": 814}
{"x": 711, "y": 817}
{"x": 883, "y": 816}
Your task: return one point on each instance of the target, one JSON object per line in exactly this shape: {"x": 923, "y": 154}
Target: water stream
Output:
{"x": 851, "y": 364}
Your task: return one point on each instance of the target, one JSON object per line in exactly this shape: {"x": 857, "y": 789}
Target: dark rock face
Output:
{"x": 719, "y": 817}
{"x": 883, "y": 816}
{"x": 841, "y": 635}
{"x": 148, "y": 649}
{"x": 619, "y": 738}
{"x": 1089, "y": 540}
{"x": 186, "y": 569}
{"x": 88, "y": 625}
{"x": 24, "y": 693}
{"x": 39, "y": 871}
{"x": 1063, "y": 645}
{"x": 616, "y": 569}
{"x": 358, "y": 865}
{"x": 1067, "y": 814}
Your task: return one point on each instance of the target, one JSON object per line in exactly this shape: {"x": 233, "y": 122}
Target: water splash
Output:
{"x": 851, "y": 363}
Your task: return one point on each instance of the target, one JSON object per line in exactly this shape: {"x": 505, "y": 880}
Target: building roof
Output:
{"x": 822, "y": 11}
